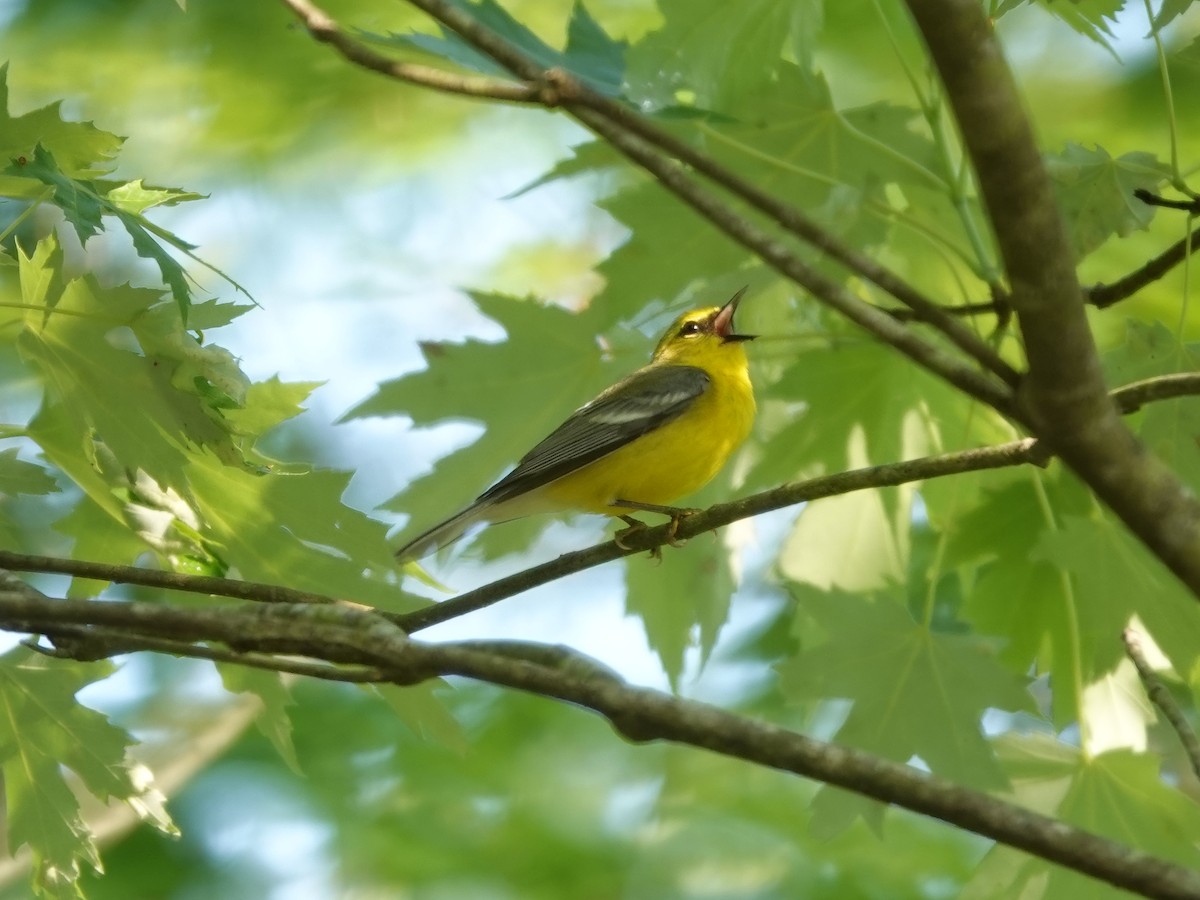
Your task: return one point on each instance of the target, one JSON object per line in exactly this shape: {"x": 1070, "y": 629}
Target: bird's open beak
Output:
{"x": 723, "y": 323}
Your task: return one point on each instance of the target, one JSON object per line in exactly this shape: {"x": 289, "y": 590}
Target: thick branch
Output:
{"x": 1064, "y": 395}
{"x": 341, "y": 635}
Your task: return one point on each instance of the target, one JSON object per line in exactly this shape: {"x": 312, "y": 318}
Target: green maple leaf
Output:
{"x": 83, "y": 149}
{"x": 590, "y": 54}
{"x": 1015, "y": 593}
{"x": 1095, "y": 192}
{"x": 1119, "y": 794}
{"x": 20, "y": 477}
{"x": 798, "y": 123}
{"x": 1116, "y": 579}
{"x": 682, "y": 601}
{"x": 86, "y": 372}
{"x": 424, "y": 713}
{"x": 1091, "y": 18}
{"x": 839, "y": 390}
{"x": 916, "y": 692}
{"x": 136, "y": 197}
{"x": 78, "y": 201}
{"x": 282, "y": 528}
{"x": 703, "y": 46}
{"x": 670, "y": 250}
{"x": 84, "y": 204}
{"x": 273, "y": 719}
{"x": 42, "y": 730}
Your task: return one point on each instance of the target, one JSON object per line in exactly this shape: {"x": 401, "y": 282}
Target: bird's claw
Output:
{"x": 674, "y": 526}
{"x": 636, "y": 525}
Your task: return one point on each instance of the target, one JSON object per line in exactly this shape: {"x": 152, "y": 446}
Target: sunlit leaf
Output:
{"x": 42, "y": 731}
{"x": 20, "y": 477}
{"x": 590, "y": 54}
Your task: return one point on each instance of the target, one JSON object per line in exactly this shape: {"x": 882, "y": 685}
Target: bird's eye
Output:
{"x": 689, "y": 328}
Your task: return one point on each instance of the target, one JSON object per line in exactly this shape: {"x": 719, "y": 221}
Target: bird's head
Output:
{"x": 702, "y": 335}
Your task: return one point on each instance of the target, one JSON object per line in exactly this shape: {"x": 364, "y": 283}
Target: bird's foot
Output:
{"x": 635, "y": 525}
{"x": 677, "y": 517}
{"x": 676, "y": 513}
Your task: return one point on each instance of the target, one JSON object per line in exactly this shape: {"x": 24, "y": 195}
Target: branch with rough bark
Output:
{"x": 1063, "y": 396}
{"x": 328, "y": 638}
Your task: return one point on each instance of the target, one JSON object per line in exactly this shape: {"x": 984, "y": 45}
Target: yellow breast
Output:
{"x": 674, "y": 460}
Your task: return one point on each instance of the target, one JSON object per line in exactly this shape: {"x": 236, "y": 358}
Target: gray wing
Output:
{"x": 642, "y": 402}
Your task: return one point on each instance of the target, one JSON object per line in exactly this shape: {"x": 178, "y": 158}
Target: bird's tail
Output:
{"x": 442, "y": 534}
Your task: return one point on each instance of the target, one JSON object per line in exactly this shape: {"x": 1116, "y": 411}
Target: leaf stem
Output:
{"x": 27, "y": 212}
{"x": 1164, "y": 73}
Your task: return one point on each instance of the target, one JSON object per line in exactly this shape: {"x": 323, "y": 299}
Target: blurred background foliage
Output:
{"x": 384, "y": 234}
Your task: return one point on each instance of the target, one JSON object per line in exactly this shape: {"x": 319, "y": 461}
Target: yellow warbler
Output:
{"x": 652, "y": 437}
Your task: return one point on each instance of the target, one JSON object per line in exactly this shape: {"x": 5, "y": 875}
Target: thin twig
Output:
{"x": 1103, "y": 296}
{"x": 1131, "y": 397}
{"x": 1151, "y": 199}
{"x": 1014, "y": 453}
{"x": 1161, "y": 697}
{"x": 175, "y": 581}
{"x": 326, "y": 30}
{"x": 904, "y": 314}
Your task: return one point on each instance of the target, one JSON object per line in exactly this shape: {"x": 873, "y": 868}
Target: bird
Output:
{"x": 658, "y": 434}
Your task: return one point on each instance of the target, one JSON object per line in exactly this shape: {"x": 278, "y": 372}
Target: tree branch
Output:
{"x": 326, "y": 30}
{"x": 1128, "y": 398}
{"x": 1105, "y": 295}
{"x": 556, "y": 88}
{"x": 340, "y": 635}
{"x": 1015, "y": 453}
{"x": 91, "y": 643}
{"x": 780, "y": 257}
{"x": 1161, "y": 697}
{"x": 794, "y": 222}
{"x": 1191, "y": 206}
{"x": 1131, "y": 397}
{"x": 1064, "y": 395}
{"x": 174, "y": 581}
